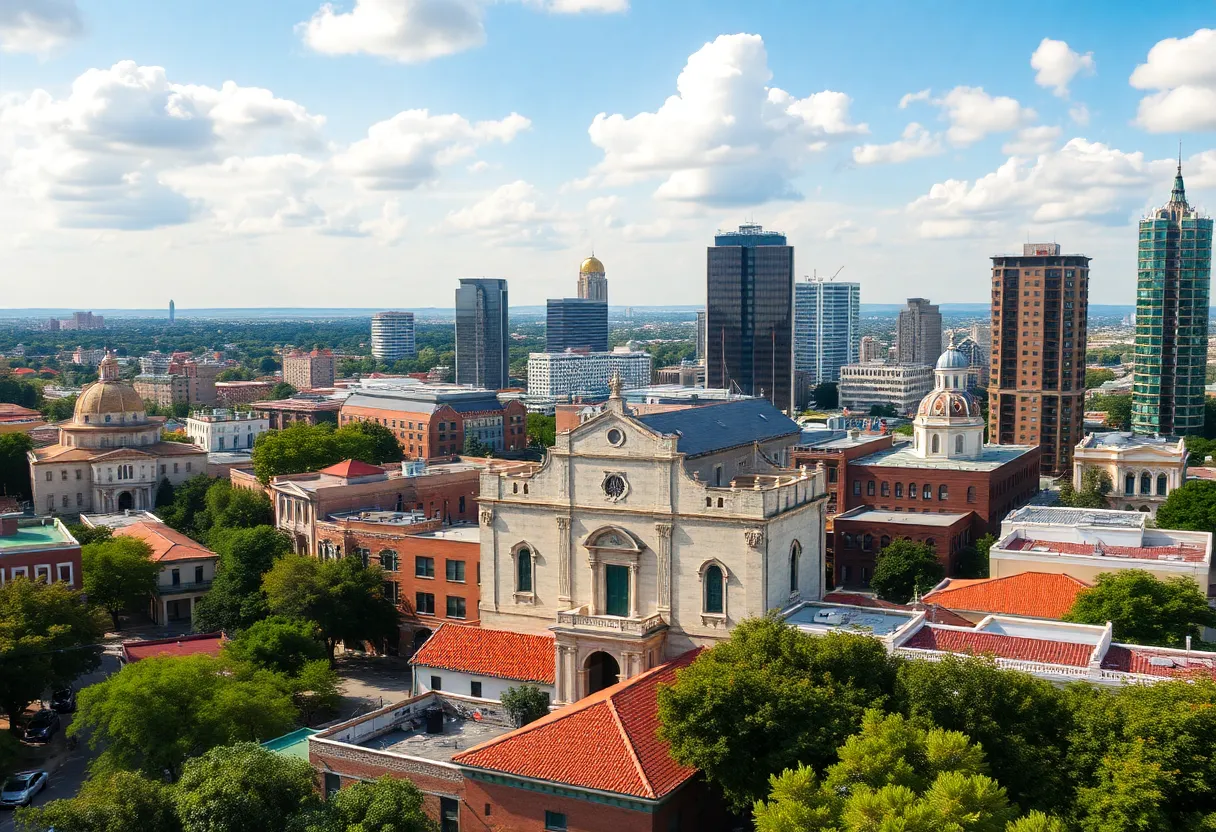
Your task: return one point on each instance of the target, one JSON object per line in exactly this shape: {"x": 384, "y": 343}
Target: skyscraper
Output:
{"x": 827, "y": 327}
{"x": 592, "y": 281}
{"x": 701, "y": 335}
{"x": 393, "y": 336}
{"x": 172, "y": 311}
{"x": 871, "y": 350}
{"x": 576, "y": 323}
{"x": 1172, "y": 295}
{"x": 482, "y": 357}
{"x": 750, "y": 314}
{"x": 1036, "y": 389}
{"x": 918, "y": 339}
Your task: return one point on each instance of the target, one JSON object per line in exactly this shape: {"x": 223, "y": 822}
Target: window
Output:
{"x": 461, "y": 504}
{"x": 1162, "y": 485}
{"x": 63, "y": 475}
{"x": 1129, "y": 484}
{"x": 50, "y": 476}
{"x": 713, "y": 590}
{"x": 856, "y": 488}
{"x": 449, "y": 814}
{"x": 424, "y": 567}
{"x": 455, "y": 571}
{"x": 176, "y": 577}
{"x": 899, "y": 489}
{"x": 555, "y": 821}
{"x": 971, "y": 494}
{"x": 424, "y": 603}
{"x": 867, "y": 542}
{"x": 795, "y": 557}
{"x": 388, "y": 560}
{"x": 942, "y": 492}
{"x": 198, "y": 574}
{"x": 65, "y": 572}
{"x": 455, "y": 607}
{"x": 936, "y": 444}
{"x": 870, "y": 488}
{"x": 42, "y": 572}
{"x": 911, "y": 491}
{"x": 931, "y": 543}
{"x": 475, "y": 689}
{"x": 958, "y": 444}
{"x": 884, "y": 542}
{"x": 333, "y": 784}
{"x": 1146, "y": 483}
{"x": 523, "y": 571}
{"x": 927, "y": 493}
{"x": 885, "y": 489}
{"x": 436, "y": 683}
{"x": 79, "y": 499}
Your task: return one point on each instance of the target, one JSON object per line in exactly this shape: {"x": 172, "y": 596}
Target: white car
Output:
{"x": 19, "y": 789}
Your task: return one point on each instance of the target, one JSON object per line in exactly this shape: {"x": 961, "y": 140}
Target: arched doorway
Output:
{"x": 125, "y": 501}
{"x": 420, "y": 637}
{"x": 602, "y": 672}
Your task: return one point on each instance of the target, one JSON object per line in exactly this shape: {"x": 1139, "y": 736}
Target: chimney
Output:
{"x": 8, "y": 525}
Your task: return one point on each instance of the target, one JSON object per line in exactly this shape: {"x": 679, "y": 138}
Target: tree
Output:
{"x": 525, "y": 703}
{"x": 283, "y": 390}
{"x": 154, "y": 714}
{"x": 768, "y": 698}
{"x": 474, "y": 447}
{"x": 232, "y": 508}
{"x": 268, "y": 365}
{"x": 14, "y": 465}
{"x": 118, "y": 574}
{"x": 278, "y": 643}
{"x": 56, "y": 410}
{"x": 369, "y": 441}
{"x": 1198, "y": 449}
{"x": 48, "y": 637}
{"x": 303, "y": 447}
{"x": 387, "y": 804}
{"x": 1190, "y": 507}
{"x": 1145, "y": 609}
{"x": 542, "y": 430}
{"x": 1096, "y": 378}
{"x": 1118, "y": 408}
{"x": 245, "y": 788}
{"x": 826, "y": 395}
{"x": 973, "y": 560}
{"x": 235, "y": 600}
{"x": 316, "y": 688}
{"x": 1095, "y": 485}
{"x": 343, "y": 596}
{"x": 904, "y": 569}
{"x": 117, "y": 801}
{"x": 1209, "y": 418}
{"x": 164, "y": 493}
{"x": 903, "y": 430}
{"x": 189, "y": 498}
{"x": 887, "y": 410}
{"x": 89, "y": 534}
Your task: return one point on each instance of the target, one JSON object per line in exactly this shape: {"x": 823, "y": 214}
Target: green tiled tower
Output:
{"x": 1172, "y": 290}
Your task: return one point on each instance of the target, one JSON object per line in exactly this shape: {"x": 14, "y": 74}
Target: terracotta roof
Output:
{"x": 607, "y": 742}
{"x": 69, "y": 453}
{"x": 1056, "y": 547}
{"x": 16, "y": 412}
{"x": 1132, "y": 659}
{"x": 1004, "y": 647}
{"x": 498, "y": 653}
{"x": 349, "y": 468}
{"x": 167, "y": 544}
{"x": 209, "y": 643}
{"x": 24, "y": 371}
{"x": 1033, "y": 594}
{"x": 934, "y": 612}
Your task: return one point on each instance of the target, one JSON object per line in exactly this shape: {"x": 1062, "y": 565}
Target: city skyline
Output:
{"x": 284, "y": 186}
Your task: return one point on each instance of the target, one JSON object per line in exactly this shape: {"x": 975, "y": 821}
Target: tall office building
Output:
{"x": 701, "y": 336}
{"x": 870, "y": 350}
{"x": 1036, "y": 389}
{"x": 827, "y": 327}
{"x": 1172, "y": 295}
{"x": 393, "y": 336}
{"x": 576, "y": 323}
{"x": 172, "y": 312}
{"x": 918, "y": 339}
{"x": 592, "y": 281}
{"x": 482, "y": 357}
{"x": 750, "y": 314}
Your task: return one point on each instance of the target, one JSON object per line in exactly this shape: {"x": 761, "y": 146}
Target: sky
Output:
{"x": 369, "y": 153}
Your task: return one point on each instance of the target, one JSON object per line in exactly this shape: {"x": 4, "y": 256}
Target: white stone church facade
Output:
{"x": 641, "y": 537}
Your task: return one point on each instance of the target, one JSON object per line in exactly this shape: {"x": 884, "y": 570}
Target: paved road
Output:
{"x": 369, "y": 682}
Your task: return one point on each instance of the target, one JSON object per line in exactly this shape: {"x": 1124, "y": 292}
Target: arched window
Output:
{"x": 971, "y": 494}
{"x": 958, "y": 444}
{"x": 911, "y": 491}
{"x": 1146, "y": 483}
{"x": 936, "y": 444}
{"x": 867, "y": 542}
{"x": 885, "y": 489}
{"x": 927, "y": 494}
{"x": 1129, "y": 484}
{"x": 943, "y": 493}
{"x": 899, "y": 489}
{"x": 1162, "y": 485}
{"x": 884, "y": 542}
{"x": 795, "y": 556}
{"x": 715, "y": 592}
{"x": 523, "y": 570}
{"x": 931, "y": 543}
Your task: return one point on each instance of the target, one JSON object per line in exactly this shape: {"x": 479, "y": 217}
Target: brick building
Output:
{"x": 38, "y": 548}
{"x": 228, "y": 393}
{"x": 305, "y": 409}
{"x": 309, "y": 370}
{"x": 836, "y": 449}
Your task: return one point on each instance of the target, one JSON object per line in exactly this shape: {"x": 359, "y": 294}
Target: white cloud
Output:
{"x": 510, "y": 215}
{"x": 1183, "y": 71}
{"x": 916, "y": 143}
{"x": 847, "y": 230}
{"x": 912, "y": 97}
{"x": 1057, "y": 65}
{"x": 1079, "y": 113}
{"x": 408, "y": 150}
{"x": 726, "y": 138}
{"x": 973, "y": 114}
{"x": 580, "y": 6}
{"x": 256, "y": 194}
{"x": 38, "y": 26}
{"x": 390, "y": 226}
{"x": 1031, "y": 141}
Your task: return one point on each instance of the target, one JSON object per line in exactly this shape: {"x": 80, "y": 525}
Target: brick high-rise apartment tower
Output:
{"x": 1036, "y": 392}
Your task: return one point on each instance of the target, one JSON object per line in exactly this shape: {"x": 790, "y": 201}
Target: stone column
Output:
{"x": 564, "y": 592}
{"x": 664, "y": 564}
{"x": 593, "y": 562}
{"x": 633, "y": 590}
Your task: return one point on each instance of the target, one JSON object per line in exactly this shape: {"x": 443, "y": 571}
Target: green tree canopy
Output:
{"x": 283, "y": 390}
{"x": 1190, "y": 507}
{"x": 235, "y": 600}
{"x": 189, "y": 500}
{"x": 905, "y": 568}
{"x": 48, "y": 637}
{"x": 1145, "y": 609}
{"x": 227, "y": 507}
{"x": 14, "y": 465}
{"x": 387, "y": 804}
{"x": 88, "y": 534}
{"x": 768, "y": 698}
{"x": 370, "y": 439}
{"x": 973, "y": 559}
{"x": 118, "y": 801}
{"x": 888, "y": 410}
{"x": 245, "y": 788}
{"x": 303, "y": 447}
{"x": 343, "y": 596}
{"x": 278, "y": 643}
{"x": 118, "y": 574}
{"x": 542, "y": 430}
{"x": 1096, "y": 378}
{"x": 525, "y": 703}
{"x": 164, "y": 493}
{"x": 1095, "y": 485}
{"x": 1118, "y": 409}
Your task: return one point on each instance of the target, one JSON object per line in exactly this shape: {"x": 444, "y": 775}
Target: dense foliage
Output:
{"x": 1144, "y": 609}
{"x": 1118, "y": 409}
{"x": 1095, "y": 485}
{"x": 1190, "y": 507}
{"x": 542, "y": 430}
{"x": 15, "y": 466}
{"x": 904, "y": 569}
{"x": 118, "y": 574}
{"x": 303, "y": 447}
{"x": 525, "y": 703}
{"x": 235, "y": 600}
{"x": 1096, "y": 378}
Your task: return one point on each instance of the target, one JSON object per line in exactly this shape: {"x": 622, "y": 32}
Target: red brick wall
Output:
{"x": 514, "y": 426}
{"x": 417, "y": 433}
{"x": 947, "y": 541}
{"x": 50, "y": 558}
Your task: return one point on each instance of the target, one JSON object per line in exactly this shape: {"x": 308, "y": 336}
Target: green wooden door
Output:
{"x": 616, "y": 580}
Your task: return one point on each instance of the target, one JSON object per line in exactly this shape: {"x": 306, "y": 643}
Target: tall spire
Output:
{"x": 1178, "y": 194}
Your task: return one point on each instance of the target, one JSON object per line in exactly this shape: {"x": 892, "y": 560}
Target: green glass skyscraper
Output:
{"x": 1172, "y": 290}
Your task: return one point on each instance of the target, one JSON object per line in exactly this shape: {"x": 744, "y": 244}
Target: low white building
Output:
{"x": 1143, "y": 470}
{"x": 901, "y": 385}
{"x": 483, "y": 663}
{"x": 225, "y": 430}
{"x": 564, "y": 374}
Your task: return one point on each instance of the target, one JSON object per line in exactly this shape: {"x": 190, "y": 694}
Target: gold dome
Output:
{"x": 591, "y": 265}
{"x": 107, "y": 397}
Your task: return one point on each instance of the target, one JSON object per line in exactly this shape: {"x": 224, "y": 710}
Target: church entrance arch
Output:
{"x": 126, "y": 501}
{"x": 602, "y": 671}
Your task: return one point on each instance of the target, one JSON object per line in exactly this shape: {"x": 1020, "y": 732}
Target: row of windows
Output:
{"x": 125, "y": 472}
{"x": 926, "y": 491}
{"x": 424, "y": 604}
{"x": 61, "y": 572}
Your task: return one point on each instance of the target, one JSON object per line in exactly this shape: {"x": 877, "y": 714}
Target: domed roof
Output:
{"x": 107, "y": 397}
{"x": 953, "y": 359}
{"x": 591, "y": 265}
{"x": 957, "y": 404}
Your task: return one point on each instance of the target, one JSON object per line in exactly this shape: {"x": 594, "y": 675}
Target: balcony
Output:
{"x": 582, "y": 621}
{"x": 182, "y": 588}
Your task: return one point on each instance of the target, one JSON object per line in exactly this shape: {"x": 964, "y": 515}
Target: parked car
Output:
{"x": 42, "y": 727}
{"x": 63, "y": 701}
{"x": 19, "y": 789}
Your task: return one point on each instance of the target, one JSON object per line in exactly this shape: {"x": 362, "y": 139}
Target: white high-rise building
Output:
{"x": 393, "y": 336}
{"x": 562, "y": 374}
{"x": 827, "y": 327}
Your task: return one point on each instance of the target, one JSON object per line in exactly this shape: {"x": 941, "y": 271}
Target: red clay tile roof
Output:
{"x": 498, "y": 653}
{"x": 209, "y": 643}
{"x": 349, "y": 468}
{"x": 1187, "y": 553}
{"x": 167, "y": 545}
{"x": 24, "y": 371}
{"x": 607, "y": 742}
{"x": 1004, "y": 647}
{"x": 1033, "y": 594}
{"x": 15, "y": 412}
{"x": 1131, "y": 659}
{"x": 934, "y": 612}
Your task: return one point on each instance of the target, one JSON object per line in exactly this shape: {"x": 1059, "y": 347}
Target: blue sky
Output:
{"x": 369, "y": 153}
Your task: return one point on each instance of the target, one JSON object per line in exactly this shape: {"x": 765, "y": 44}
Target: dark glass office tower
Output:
{"x": 576, "y": 323}
{"x": 750, "y": 314}
{"x": 482, "y": 357}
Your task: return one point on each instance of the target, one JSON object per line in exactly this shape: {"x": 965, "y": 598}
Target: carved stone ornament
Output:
{"x": 486, "y": 515}
{"x": 615, "y": 486}
{"x": 754, "y": 538}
